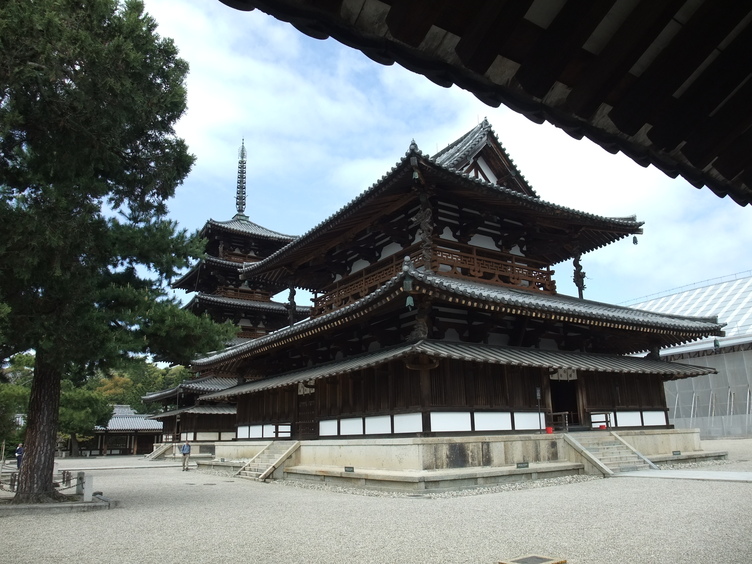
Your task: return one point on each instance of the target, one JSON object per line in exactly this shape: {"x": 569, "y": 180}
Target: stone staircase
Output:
{"x": 612, "y": 452}
{"x": 160, "y": 450}
{"x": 265, "y": 462}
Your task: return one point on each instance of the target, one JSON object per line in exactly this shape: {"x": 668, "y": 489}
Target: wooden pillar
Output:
{"x": 424, "y": 364}
{"x": 425, "y": 398}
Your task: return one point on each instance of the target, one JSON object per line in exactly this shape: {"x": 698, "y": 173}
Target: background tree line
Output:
{"x": 84, "y": 402}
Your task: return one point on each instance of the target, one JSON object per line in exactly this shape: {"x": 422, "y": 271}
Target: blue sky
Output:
{"x": 322, "y": 123}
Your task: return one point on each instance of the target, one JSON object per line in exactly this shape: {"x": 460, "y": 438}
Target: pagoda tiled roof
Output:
{"x": 473, "y": 352}
{"x": 230, "y": 266}
{"x": 479, "y": 294}
{"x": 238, "y": 303}
{"x": 241, "y": 225}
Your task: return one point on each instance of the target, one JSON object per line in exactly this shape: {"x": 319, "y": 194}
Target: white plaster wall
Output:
{"x": 528, "y": 421}
{"x": 408, "y": 423}
{"x": 487, "y": 170}
{"x": 379, "y": 425}
{"x": 653, "y": 418}
{"x": 598, "y": 419}
{"x": 359, "y": 265}
{"x": 352, "y": 426}
{"x": 390, "y": 249}
{"x": 447, "y": 235}
{"x": 627, "y": 419}
{"x": 328, "y": 428}
{"x": 493, "y": 421}
{"x": 450, "y": 421}
{"x": 483, "y": 242}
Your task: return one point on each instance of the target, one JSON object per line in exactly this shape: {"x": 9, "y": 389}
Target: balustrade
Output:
{"x": 448, "y": 259}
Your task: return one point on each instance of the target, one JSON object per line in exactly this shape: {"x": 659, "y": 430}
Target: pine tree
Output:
{"x": 89, "y": 95}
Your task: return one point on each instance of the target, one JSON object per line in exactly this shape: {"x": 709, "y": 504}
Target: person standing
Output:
{"x": 186, "y": 450}
{"x": 19, "y": 455}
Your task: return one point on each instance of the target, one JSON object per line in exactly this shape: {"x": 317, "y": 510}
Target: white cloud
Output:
{"x": 322, "y": 123}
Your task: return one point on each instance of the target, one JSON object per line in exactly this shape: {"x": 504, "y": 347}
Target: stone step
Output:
{"x": 617, "y": 458}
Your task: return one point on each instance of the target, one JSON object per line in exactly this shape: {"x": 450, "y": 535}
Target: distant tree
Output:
{"x": 81, "y": 411}
{"x": 89, "y": 94}
{"x": 117, "y": 389}
{"x": 20, "y": 369}
{"x": 129, "y": 384}
{"x": 14, "y": 400}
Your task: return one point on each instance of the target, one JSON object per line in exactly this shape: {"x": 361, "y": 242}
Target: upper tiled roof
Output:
{"x": 608, "y": 229}
{"x": 242, "y": 225}
{"x": 464, "y": 148}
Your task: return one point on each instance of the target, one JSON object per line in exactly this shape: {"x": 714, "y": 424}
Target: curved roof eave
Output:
{"x": 402, "y": 167}
{"x": 241, "y": 225}
{"x": 563, "y": 307}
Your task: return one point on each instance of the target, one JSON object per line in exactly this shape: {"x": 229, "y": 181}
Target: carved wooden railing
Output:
{"x": 493, "y": 267}
{"x": 447, "y": 258}
{"x": 356, "y": 286}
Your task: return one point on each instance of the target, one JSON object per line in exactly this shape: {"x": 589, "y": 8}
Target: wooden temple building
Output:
{"x": 435, "y": 313}
{"x": 219, "y": 292}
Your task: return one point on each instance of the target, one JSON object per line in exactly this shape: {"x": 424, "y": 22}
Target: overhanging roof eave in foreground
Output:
{"x": 514, "y": 356}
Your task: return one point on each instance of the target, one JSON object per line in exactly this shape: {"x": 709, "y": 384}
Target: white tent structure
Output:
{"x": 720, "y": 405}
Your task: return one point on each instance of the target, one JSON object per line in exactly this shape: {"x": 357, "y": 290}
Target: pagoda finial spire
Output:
{"x": 240, "y": 195}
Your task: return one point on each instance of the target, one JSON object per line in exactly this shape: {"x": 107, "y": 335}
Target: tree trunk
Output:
{"x": 35, "y": 477}
{"x": 74, "y": 445}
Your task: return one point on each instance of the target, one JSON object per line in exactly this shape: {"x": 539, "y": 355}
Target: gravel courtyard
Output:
{"x": 166, "y": 515}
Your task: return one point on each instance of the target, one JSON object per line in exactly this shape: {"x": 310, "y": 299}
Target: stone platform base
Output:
{"x": 429, "y": 480}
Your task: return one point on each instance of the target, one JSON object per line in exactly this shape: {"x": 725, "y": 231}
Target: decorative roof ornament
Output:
{"x": 240, "y": 194}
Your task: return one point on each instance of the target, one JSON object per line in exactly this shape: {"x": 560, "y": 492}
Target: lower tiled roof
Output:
{"x": 514, "y": 356}
{"x": 198, "y": 409}
{"x": 199, "y": 385}
{"x": 138, "y": 422}
{"x": 556, "y": 306}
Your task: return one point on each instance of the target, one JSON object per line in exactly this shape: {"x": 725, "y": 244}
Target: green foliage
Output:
{"x": 14, "y": 399}
{"x": 126, "y": 386}
{"x": 20, "y": 369}
{"x": 89, "y": 95}
{"x": 81, "y": 410}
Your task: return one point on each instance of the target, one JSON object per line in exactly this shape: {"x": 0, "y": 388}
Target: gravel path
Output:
{"x": 166, "y": 515}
